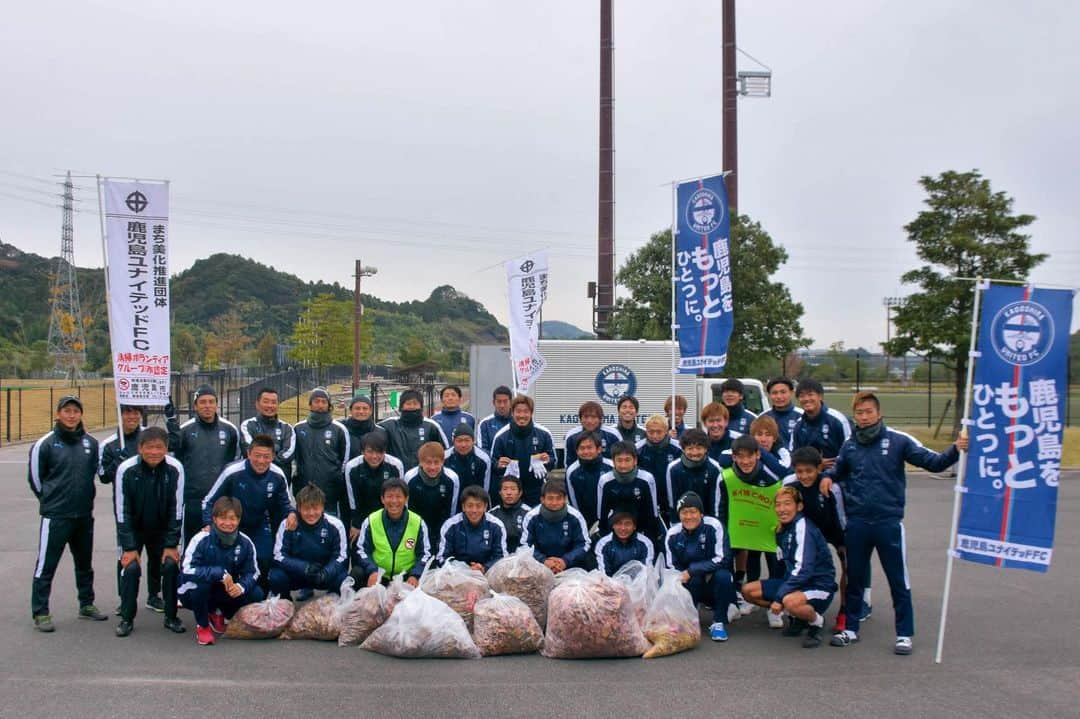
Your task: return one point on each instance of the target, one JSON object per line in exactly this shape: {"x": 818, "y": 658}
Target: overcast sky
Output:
{"x": 437, "y": 139}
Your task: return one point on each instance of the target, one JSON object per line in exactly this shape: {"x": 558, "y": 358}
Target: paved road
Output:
{"x": 1012, "y": 651}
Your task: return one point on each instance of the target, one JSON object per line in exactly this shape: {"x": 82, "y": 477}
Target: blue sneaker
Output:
{"x": 867, "y": 610}
{"x": 717, "y": 632}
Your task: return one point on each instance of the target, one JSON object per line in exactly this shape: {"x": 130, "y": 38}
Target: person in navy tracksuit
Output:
{"x": 220, "y": 573}
{"x": 473, "y": 535}
{"x": 583, "y": 476}
{"x": 624, "y": 544}
{"x": 364, "y": 478}
{"x": 471, "y": 464}
{"x": 511, "y": 511}
{"x": 627, "y": 425}
{"x": 870, "y": 468}
{"x": 820, "y": 426}
{"x": 433, "y": 489}
{"x": 524, "y": 448}
{"x": 489, "y": 426}
{"x": 450, "y": 415}
{"x": 694, "y": 472}
{"x": 732, "y": 394}
{"x": 556, "y": 531}
{"x": 627, "y": 487}
{"x": 698, "y": 547}
{"x": 314, "y": 554}
{"x": 809, "y": 581}
{"x": 784, "y": 411}
{"x": 591, "y": 416}
{"x": 263, "y": 492}
{"x": 655, "y": 453}
{"x": 715, "y": 418}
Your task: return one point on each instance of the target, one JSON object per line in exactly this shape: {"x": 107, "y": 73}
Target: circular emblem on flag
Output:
{"x": 136, "y": 201}
{"x": 527, "y": 266}
{"x": 1022, "y": 332}
{"x": 124, "y": 384}
{"x": 704, "y": 211}
{"x": 613, "y": 382}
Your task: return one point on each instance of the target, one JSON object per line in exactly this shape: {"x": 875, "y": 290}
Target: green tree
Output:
{"x": 226, "y": 342}
{"x": 185, "y": 347}
{"x": 322, "y": 336}
{"x": 967, "y": 231}
{"x": 414, "y": 353}
{"x": 766, "y": 318}
{"x": 264, "y": 351}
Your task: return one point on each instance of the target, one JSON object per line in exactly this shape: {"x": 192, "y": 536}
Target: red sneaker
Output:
{"x": 841, "y": 622}
{"x": 204, "y": 636}
{"x": 217, "y": 622}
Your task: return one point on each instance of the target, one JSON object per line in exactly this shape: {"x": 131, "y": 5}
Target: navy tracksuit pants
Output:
{"x": 204, "y": 598}
{"x": 282, "y": 582}
{"x": 862, "y": 538}
{"x": 716, "y": 590}
{"x": 55, "y": 533}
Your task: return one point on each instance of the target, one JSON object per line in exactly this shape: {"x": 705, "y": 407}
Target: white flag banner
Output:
{"x": 137, "y": 263}
{"x": 527, "y": 280}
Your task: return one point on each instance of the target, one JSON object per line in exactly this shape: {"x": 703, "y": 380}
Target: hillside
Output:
{"x": 266, "y": 300}
{"x": 557, "y": 330}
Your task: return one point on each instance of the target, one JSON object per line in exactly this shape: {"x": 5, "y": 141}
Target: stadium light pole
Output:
{"x": 358, "y": 314}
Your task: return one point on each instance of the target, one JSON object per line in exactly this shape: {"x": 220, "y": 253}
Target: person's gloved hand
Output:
{"x": 538, "y": 469}
{"x": 320, "y": 578}
{"x": 170, "y": 410}
{"x": 513, "y": 469}
{"x": 311, "y": 571}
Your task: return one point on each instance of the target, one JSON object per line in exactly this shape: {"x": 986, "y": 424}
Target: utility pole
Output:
{"x": 728, "y": 108}
{"x": 358, "y": 315}
{"x": 67, "y": 338}
{"x": 605, "y": 273}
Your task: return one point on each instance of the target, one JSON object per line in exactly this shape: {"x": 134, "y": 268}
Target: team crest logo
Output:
{"x": 221, "y": 434}
{"x": 613, "y": 382}
{"x": 328, "y": 434}
{"x": 704, "y": 211}
{"x": 410, "y": 543}
{"x": 1022, "y": 332}
{"x": 324, "y": 532}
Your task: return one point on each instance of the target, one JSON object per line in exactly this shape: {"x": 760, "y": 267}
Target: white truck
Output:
{"x": 601, "y": 370}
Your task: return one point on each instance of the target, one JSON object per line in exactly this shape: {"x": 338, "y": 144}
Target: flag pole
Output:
{"x": 961, "y": 468}
{"x": 674, "y": 316}
{"x": 108, "y": 311}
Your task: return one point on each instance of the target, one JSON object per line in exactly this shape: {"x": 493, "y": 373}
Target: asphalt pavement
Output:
{"x": 1012, "y": 650}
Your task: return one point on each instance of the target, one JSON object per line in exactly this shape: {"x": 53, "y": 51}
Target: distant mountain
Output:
{"x": 556, "y": 330}
{"x": 267, "y": 300}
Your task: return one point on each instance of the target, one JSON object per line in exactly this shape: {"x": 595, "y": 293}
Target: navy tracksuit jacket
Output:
{"x": 612, "y": 553}
{"x": 567, "y": 539}
{"x": 484, "y": 543}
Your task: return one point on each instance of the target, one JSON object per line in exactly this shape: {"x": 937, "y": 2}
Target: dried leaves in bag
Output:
{"x": 423, "y": 627}
{"x": 589, "y": 616}
{"x": 505, "y": 625}
{"x": 521, "y": 576}
{"x": 363, "y": 615}
{"x": 261, "y": 620}
{"x": 457, "y": 585}
{"x": 672, "y": 623}
{"x": 317, "y": 619}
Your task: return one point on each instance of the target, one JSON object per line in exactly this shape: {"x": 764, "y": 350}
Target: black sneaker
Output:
{"x": 124, "y": 628}
{"x": 89, "y": 611}
{"x": 794, "y": 628}
{"x": 844, "y": 638}
{"x": 813, "y": 637}
{"x": 155, "y": 603}
{"x": 175, "y": 625}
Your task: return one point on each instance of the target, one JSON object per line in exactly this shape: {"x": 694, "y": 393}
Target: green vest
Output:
{"x": 394, "y": 561}
{"x": 752, "y": 521}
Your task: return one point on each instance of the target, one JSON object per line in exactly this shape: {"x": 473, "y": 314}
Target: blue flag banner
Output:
{"x": 702, "y": 275}
{"x": 1009, "y": 498}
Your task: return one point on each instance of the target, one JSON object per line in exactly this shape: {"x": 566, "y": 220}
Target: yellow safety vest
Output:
{"x": 403, "y": 558}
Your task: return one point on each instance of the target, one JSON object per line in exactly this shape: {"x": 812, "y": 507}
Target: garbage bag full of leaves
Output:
{"x": 457, "y": 585}
{"x": 505, "y": 625}
{"x": 423, "y": 627}
{"x": 591, "y": 615}
{"x": 672, "y": 623}
{"x": 521, "y": 576}
{"x": 261, "y": 620}
{"x": 397, "y": 590}
{"x": 318, "y": 619}
{"x": 361, "y": 614}
{"x": 641, "y": 583}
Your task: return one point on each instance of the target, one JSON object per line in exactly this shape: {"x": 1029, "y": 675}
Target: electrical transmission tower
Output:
{"x": 67, "y": 338}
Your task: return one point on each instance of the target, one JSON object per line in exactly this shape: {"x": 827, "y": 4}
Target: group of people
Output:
{"x": 227, "y": 515}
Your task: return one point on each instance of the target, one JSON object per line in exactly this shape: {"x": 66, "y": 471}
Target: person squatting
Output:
{"x": 208, "y": 513}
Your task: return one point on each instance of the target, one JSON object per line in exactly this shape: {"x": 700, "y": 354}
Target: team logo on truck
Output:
{"x": 615, "y": 381}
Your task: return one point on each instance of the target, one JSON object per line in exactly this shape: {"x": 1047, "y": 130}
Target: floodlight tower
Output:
{"x": 67, "y": 338}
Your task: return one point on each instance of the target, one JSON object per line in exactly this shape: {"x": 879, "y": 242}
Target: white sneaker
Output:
{"x": 733, "y": 613}
{"x": 903, "y": 646}
{"x": 776, "y": 621}
{"x": 745, "y": 607}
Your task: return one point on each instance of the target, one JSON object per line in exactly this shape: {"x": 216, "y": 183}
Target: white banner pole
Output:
{"x": 960, "y": 470}
{"x": 108, "y": 310}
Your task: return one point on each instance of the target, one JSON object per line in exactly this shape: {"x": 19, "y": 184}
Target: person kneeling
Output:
{"x": 698, "y": 547}
{"x": 314, "y": 555}
{"x": 624, "y": 544}
{"x": 219, "y": 571}
{"x": 555, "y": 531}
{"x": 393, "y": 539}
{"x": 472, "y": 535}
{"x": 809, "y": 583}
